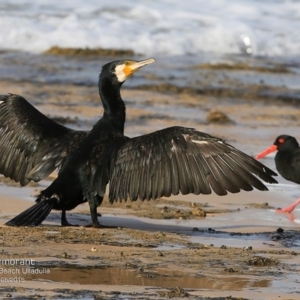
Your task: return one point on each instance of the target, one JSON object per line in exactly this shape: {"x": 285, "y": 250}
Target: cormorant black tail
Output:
{"x": 34, "y": 215}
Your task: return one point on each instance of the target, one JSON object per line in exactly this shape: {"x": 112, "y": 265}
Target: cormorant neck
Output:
{"x": 113, "y": 104}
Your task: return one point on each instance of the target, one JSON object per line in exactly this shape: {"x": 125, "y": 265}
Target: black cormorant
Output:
{"x": 162, "y": 163}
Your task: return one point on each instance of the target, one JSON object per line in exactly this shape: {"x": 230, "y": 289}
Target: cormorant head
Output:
{"x": 122, "y": 69}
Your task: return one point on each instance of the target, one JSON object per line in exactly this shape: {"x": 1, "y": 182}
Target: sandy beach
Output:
{"x": 240, "y": 249}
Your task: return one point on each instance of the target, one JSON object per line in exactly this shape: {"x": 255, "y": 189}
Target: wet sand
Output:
{"x": 166, "y": 248}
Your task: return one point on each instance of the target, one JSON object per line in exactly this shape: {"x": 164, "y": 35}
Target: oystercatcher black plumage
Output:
{"x": 287, "y": 161}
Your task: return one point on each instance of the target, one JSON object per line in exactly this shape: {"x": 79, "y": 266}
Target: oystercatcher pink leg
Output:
{"x": 289, "y": 208}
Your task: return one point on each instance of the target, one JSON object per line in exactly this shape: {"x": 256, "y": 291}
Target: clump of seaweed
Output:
{"x": 88, "y": 51}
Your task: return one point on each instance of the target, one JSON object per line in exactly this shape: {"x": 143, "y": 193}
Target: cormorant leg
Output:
{"x": 64, "y": 221}
{"x": 94, "y": 203}
{"x": 95, "y": 222}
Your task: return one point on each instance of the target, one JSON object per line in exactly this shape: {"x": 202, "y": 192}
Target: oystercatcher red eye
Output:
{"x": 281, "y": 141}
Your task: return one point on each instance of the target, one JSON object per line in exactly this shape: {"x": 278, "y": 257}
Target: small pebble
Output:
{"x": 247, "y": 248}
{"x": 195, "y": 229}
{"x": 275, "y": 237}
{"x": 217, "y": 116}
{"x": 280, "y": 230}
{"x": 223, "y": 247}
{"x": 93, "y": 249}
{"x": 160, "y": 234}
{"x": 230, "y": 270}
{"x": 165, "y": 209}
{"x": 198, "y": 212}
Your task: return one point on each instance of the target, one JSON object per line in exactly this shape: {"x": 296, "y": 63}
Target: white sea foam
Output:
{"x": 153, "y": 27}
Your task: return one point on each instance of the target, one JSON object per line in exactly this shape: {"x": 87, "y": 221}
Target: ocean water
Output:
{"x": 154, "y": 27}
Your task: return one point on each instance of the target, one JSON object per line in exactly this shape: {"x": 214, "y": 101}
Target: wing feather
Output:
{"x": 174, "y": 177}
{"x": 179, "y": 159}
{"x": 167, "y": 178}
{"x": 31, "y": 144}
{"x": 204, "y": 171}
{"x": 154, "y": 193}
{"x": 233, "y": 179}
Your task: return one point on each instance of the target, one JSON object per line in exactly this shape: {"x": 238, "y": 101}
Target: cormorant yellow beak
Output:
{"x": 123, "y": 71}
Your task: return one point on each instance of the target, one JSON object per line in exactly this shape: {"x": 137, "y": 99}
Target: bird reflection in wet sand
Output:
{"x": 163, "y": 163}
{"x": 287, "y": 161}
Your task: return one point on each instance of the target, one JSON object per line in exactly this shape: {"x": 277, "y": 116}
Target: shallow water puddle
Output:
{"x": 156, "y": 278}
{"x": 220, "y": 238}
{"x": 263, "y": 240}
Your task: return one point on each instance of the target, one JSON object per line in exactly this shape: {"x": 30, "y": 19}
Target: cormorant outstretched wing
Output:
{"x": 179, "y": 159}
{"x": 31, "y": 145}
